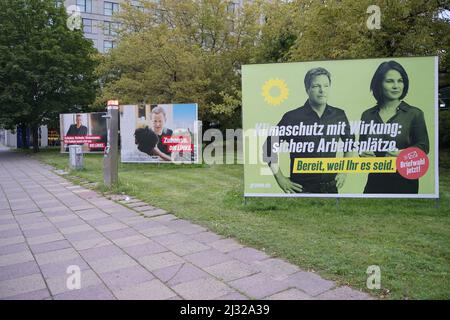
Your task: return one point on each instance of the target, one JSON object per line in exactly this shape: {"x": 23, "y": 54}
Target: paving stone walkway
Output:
{"x": 136, "y": 252}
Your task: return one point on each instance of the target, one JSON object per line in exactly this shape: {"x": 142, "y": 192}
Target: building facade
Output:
{"x": 13, "y": 138}
{"x": 98, "y": 22}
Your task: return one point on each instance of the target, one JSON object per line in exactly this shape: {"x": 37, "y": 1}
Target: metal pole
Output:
{"x": 198, "y": 150}
{"x": 110, "y": 159}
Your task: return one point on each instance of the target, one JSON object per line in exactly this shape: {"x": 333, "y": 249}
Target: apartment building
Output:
{"x": 98, "y": 23}
{"x": 97, "y": 18}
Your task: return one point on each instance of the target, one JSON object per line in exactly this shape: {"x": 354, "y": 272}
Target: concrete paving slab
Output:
{"x": 139, "y": 252}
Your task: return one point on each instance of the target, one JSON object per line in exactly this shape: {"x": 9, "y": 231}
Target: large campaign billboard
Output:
{"x": 347, "y": 128}
{"x": 85, "y": 129}
{"x": 159, "y": 133}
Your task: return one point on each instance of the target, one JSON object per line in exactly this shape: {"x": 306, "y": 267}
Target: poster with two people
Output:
{"x": 348, "y": 128}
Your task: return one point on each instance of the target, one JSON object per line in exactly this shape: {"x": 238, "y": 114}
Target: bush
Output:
{"x": 444, "y": 129}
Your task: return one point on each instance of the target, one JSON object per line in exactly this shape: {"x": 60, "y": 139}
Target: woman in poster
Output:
{"x": 389, "y": 86}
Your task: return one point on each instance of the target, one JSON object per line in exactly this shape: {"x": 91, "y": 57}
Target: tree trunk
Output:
{"x": 23, "y": 129}
{"x": 35, "y": 135}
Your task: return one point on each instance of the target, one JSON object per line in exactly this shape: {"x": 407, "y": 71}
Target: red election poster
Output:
{"x": 85, "y": 129}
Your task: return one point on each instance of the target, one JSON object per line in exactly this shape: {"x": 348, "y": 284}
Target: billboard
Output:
{"x": 348, "y": 128}
{"x": 159, "y": 133}
{"x": 86, "y": 129}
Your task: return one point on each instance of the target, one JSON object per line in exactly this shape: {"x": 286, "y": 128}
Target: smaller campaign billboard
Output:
{"x": 159, "y": 133}
{"x": 85, "y": 129}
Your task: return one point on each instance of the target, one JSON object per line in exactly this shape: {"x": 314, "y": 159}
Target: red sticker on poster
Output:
{"x": 412, "y": 163}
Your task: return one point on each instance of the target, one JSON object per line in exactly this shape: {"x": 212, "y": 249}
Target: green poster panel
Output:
{"x": 347, "y": 128}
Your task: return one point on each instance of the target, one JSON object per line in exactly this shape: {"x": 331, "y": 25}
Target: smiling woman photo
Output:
{"x": 389, "y": 86}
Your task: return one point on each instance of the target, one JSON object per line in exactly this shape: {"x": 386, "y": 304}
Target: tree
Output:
{"x": 45, "y": 68}
{"x": 331, "y": 29}
{"x": 183, "y": 51}
{"x": 278, "y": 31}
{"x": 186, "y": 50}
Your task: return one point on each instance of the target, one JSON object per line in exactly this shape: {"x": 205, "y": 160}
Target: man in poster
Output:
{"x": 151, "y": 140}
{"x": 77, "y": 129}
{"x": 315, "y": 113}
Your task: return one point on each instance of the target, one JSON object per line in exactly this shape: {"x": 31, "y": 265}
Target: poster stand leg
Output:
{"x": 437, "y": 203}
{"x": 245, "y": 201}
{"x": 337, "y": 203}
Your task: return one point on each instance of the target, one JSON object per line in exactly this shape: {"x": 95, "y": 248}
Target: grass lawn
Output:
{"x": 409, "y": 239}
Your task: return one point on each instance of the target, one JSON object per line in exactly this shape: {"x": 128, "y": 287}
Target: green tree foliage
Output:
{"x": 183, "y": 51}
{"x": 279, "y": 31}
{"x": 338, "y": 30}
{"x": 191, "y": 51}
{"x": 45, "y": 68}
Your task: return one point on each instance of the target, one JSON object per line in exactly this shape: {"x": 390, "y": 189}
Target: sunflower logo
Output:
{"x": 275, "y": 91}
